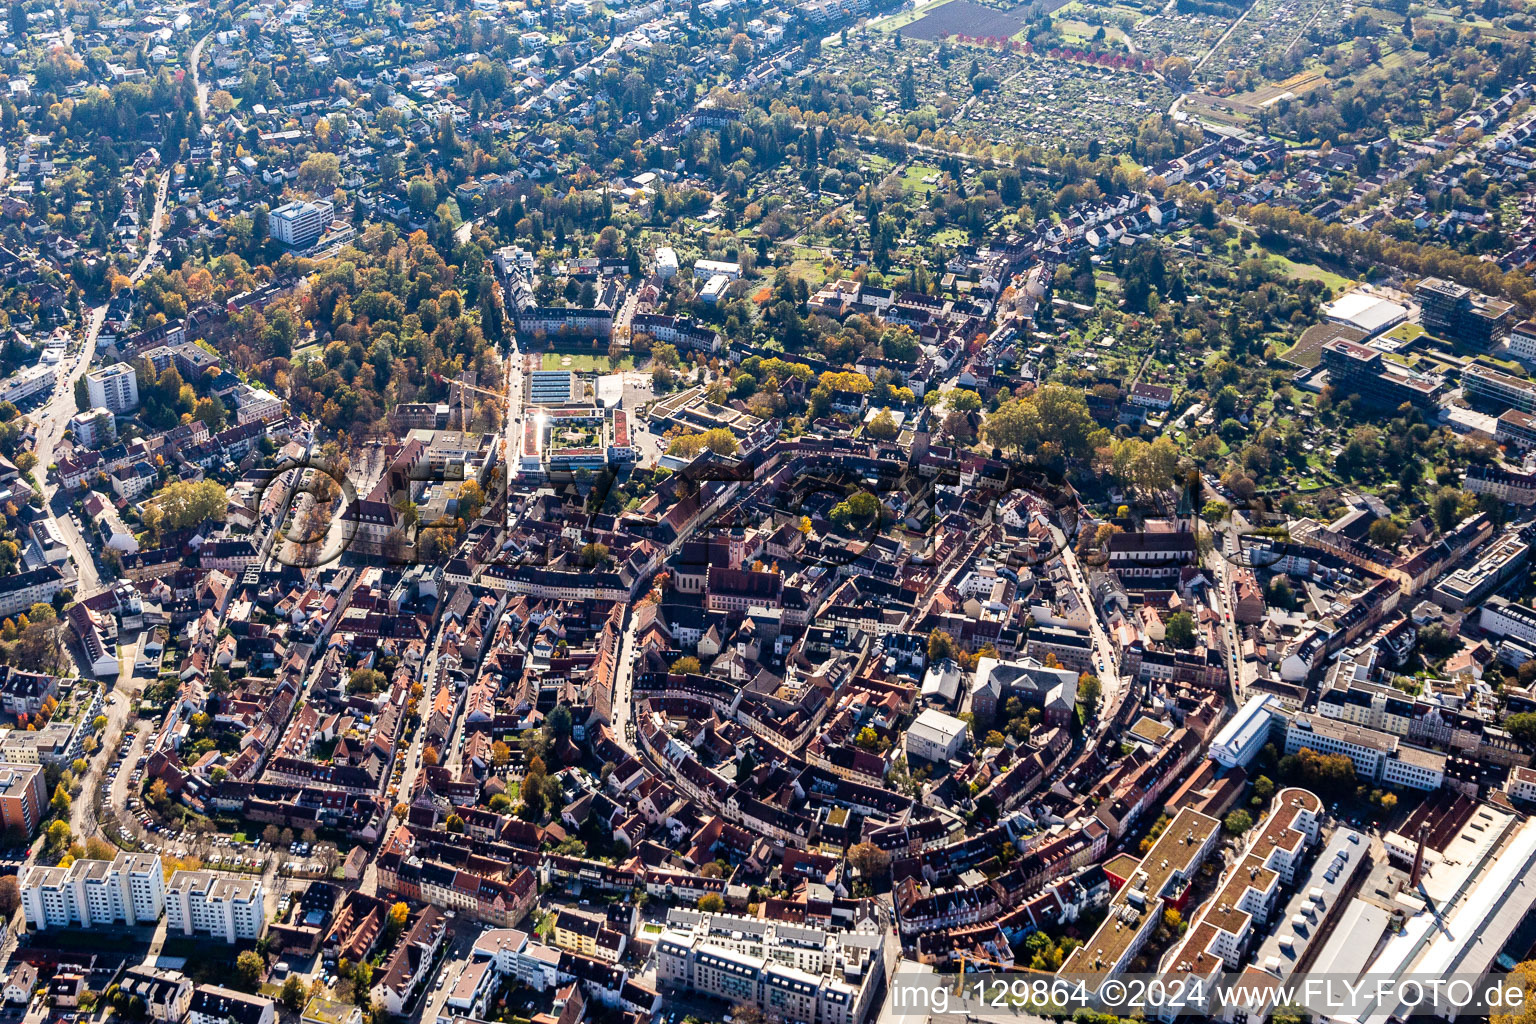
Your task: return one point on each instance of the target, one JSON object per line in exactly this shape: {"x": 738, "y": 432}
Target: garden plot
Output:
{"x": 1048, "y": 101}
{"x": 1178, "y": 34}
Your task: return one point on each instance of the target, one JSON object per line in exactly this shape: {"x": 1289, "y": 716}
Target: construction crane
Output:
{"x": 468, "y": 387}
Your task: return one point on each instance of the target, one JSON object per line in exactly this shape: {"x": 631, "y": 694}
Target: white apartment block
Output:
{"x": 114, "y": 387}
{"x": 1506, "y": 619}
{"x": 790, "y": 972}
{"x": 1521, "y": 784}
{"x": 93, "y": 427}
{"x": 301, "y": 224}
{"x": 28, "y": 381}
{"x": 220, "y": 906}
{"x": 90, "y": 893}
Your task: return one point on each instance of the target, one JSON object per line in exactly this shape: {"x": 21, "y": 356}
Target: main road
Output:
{"x": 53, "y": 416}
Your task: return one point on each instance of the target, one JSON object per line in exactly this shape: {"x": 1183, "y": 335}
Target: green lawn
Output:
{"x": 1407, "y": 332}
{"x": 584, "y": 362}
{"x": 905, "y": 18}
{"x": 912, "y": 177}
{"x": 1311, "y": 272}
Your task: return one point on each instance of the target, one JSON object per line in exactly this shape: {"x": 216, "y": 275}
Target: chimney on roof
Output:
{"x": 1418, "y": 858}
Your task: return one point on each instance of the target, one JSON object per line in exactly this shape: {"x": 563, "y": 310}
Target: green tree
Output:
{"x": 367, "y": 681}
{"x": 883, "y": 427}
{"x": 250, "y": 968}
{"x": 1089, "y": 690}
{"x": 183, "y": 504}
{"x": 1180, "y": 630}
{"x": 293, "y": 993}
{"x": 1238, "y": 822}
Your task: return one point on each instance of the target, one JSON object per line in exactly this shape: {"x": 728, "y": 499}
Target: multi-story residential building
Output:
{"x": 1509, "y": 487}
{"x": 1495, "y": 564}
{"x": 1220, "y": 935}
{"x": 220, "y": 906}
{"x": 588, "y": 935}
{"x": 1522, "y": 341}
{"x": 252, "y": 405}
{"x": 22, "y": 590}
{"x": 515, "y": 954}
{"x": 94, "y": 427}
{"x": 27, "y": 382}
{"x": 114, "y": 387}
{"x": 936, "y": 737}
{"x": 1161, "y": 879}
{"x": 565, "y": 321}
{"x": 300, "y": 224}
{"x": 129, "y": 889}
{"x": 167, "y": 995}
{"x": 1072, "y": 648}
{"x": 1516, "y": 428}
{"x": 1504, "y": 618}
{"x": 789, "y": 972}
{"x": 1521, "y": 784}
{"x": 23, "y": 797}
{"x": 677, "y": 331}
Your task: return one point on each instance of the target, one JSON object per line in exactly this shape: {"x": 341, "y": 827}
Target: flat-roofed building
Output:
{"x": 1136, "y": 909}
{"x": 115, "y": 388}
{"x": 23, "y": 797}
{"x": 1245, "y": 735}
{"x": 220, "y": 906}
{"x": 1494, "y": 566}
{"x": 129, "y": 889}
{"x": 1224, "y": 927}
{"x": 1378, "y": 757}
{"x": 300, "y": 224}
{"x": 551, "y": 387}
{"x": 1495, "y": 387}
{"x": 788, "y": 971}
{"x": 1516, "y": 428}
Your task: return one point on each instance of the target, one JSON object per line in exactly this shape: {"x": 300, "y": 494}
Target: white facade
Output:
{"x": 935, "y": 736}
{"x": 666, "y": 263}
{"x": 93, "y": 427}
{"x": 220, "y": 906}
{"x": 1504, "y": 618}
{"x": 114, "y": 387}
{"x": 25, "y": 383}
{"x": 301, "y": 224}
{"x": 253, "y": 404}
{"x": 1241, "y": 739}
{"x": 89, "y": 893}
{"x": 1522, "y": 341}
{"x": 716, "y": 268}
